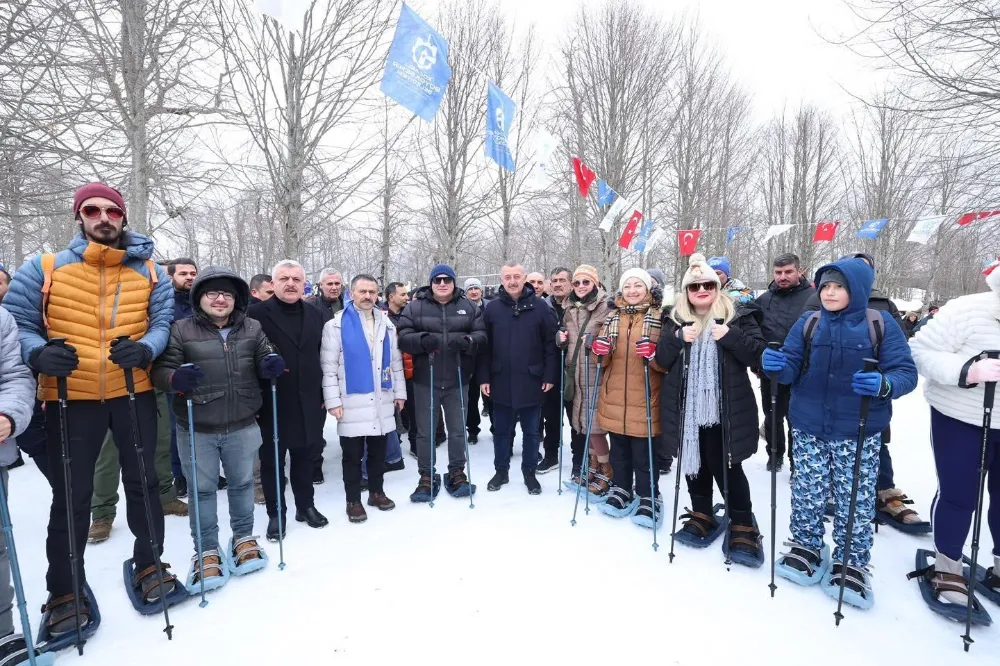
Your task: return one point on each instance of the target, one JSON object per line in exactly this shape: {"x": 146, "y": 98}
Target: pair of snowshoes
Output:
{"x": 144, "y": 591}
{"x": 701, "y": 530}
{"x": 225, "y": 564}
{"x": 932, "y": 583}
{"x": 49, "y": 642}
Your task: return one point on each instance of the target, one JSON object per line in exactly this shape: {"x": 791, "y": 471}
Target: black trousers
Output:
{"x": 551, "y": 423}
{"x": 472, "y": 416}
{"x": 354, "y": 449}
{"x": 630, "y": 458}
{"x": 712, "y": 463}
{"x": 303, "y": 461}
{"x": 87, "y": 423}
{"x": 784, "y": 395}
{"x": 409, "y": 420}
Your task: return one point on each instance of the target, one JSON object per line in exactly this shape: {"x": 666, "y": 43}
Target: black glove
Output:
{"x": 430, "y": 342}
{"x": 460, "y": 345}
{"x": 130, "y": 354}
{"x": 54, "y": 360}
{"x": 186, "y": 378}
{"x": 272, "y": 366}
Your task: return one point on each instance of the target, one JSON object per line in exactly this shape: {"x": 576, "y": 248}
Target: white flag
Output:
{"x": 924, "y": 229}
{"x": 653, "y": 239}
{"x": 617, "y": 208}
{"x": 776, "y": 230}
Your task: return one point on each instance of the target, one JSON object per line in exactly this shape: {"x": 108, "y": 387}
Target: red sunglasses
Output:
{"x": 93, "y": 212}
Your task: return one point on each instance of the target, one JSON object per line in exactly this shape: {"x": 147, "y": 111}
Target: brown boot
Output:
{"x": 381, "y": 502}
{"x": 356, "y": 512}
{"x": 591, "y": 470}
{"x": 175, "y": 507}
{"x": 602, "y": 478}
{"x": 100, "y": 530}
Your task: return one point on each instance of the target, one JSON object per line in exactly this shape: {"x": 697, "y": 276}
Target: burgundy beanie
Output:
{"x": 98, "y": 190}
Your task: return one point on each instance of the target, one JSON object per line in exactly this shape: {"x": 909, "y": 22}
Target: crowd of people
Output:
{"x": 165, "y": 375}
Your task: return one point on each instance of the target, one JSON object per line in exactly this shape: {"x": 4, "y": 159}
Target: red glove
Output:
{"x": 645, "y": 348}
{"x": 601, "y": 347}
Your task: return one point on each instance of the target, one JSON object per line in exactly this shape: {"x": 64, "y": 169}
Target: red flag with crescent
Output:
{"x": 687, "y": 240}
{"x": 825, "y": 231}
{"x": 628, "y": 233}
{"x": 969, "y": 218}
{"x": 585, "y": 176}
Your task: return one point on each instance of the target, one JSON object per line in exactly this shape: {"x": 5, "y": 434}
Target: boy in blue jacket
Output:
{"x": 826, "y": 392}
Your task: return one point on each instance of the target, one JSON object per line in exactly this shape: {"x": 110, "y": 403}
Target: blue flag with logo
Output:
{"x": 605, "y": 195}
{"x": 731, "y": 234}
{"x": 416, "y": 71}
{"x": 644, "y": 233}
{"x": 871, "y": 229}
{"x": 500, "y": 111}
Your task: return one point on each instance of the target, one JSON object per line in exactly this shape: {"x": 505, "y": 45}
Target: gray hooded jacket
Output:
{"x": 17, "y": 387}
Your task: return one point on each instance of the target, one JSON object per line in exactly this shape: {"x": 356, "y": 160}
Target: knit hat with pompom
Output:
{"x": 698, "y": 271}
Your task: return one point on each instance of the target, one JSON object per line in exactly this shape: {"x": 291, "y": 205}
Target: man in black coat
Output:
{"x": 296, "y": 331}
{"x": 329, "y": 298}
{"x": 519, "y": 367}
{"x": 443, "y": 329}
{"x": 781, "y": 306}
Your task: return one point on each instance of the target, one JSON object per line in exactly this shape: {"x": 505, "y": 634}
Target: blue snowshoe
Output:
{"x": 245, "y": 556}
{"x": 620, "y": 503}
{"x": 216, "y": 567}
{"x": 933, "y": 583}
{"x": 142, "y": 588}
{"x": 987, "y": 582}
{"x": 425, "y": 491}
{"x": 58, "y": 611}
{"x": 803, "y": 566}
{"x": 14, "y": 650}
{"x": 644, "y": 513}
{"x": 858, "y": 589}
{"x": 745, "y": 544}
{"x": 700, "y": 530}
{"x": 457, "y": 484}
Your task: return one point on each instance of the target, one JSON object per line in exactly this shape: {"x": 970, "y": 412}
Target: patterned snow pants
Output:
{"x": 822, "y": 466}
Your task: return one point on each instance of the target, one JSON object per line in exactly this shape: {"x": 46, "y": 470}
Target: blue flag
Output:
{"x": 605, "y": 195}
{"x": 500, "y": 111}
{"x": 644, "y": 233}
{"x": 416, "y": 71}
{"x": 731, "y": 234}
{"x": 871, "y": 229}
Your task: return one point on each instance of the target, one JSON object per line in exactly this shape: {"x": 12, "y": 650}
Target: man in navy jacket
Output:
{"x": 518, "y": 367}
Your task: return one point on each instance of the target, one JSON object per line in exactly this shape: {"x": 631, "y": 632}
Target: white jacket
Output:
{"x": 367, "y": 414}
{"x": 945, "y": 347}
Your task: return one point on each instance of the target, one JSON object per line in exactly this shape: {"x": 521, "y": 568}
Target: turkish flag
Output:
{"x": 969, "y": 218}
{"x": 584, "y": 176}
{"x": 687, "y": 240}
{"x": 628, "y": 233}
{"x": 825, "y": 231}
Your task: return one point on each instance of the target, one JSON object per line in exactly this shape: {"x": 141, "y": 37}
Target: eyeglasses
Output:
{"x": 93, "y": 212}
{"x": 442, "y": 279}
{"x": 213, "y": 295}
{"x": 582, "y": 283}
{"x": 698, "y": 286}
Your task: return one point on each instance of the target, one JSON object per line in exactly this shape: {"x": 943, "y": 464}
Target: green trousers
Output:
{"x": 107, "y": 473}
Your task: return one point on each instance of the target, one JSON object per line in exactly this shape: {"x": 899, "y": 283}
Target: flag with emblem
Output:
{"x": 628, "y": 233}
{"x": 584, "y": 176}
{"x": 825, "y": 231}
{"x": 687, "y": 240}
{"x": 969, "y": 218}
{"x": 416, "y": 71}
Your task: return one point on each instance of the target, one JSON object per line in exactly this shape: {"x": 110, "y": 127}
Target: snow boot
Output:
{"x": 457, "y": 484}
{"x": 701, "y": 529}
{"x": 214, "y": 568}
{"x": 802, "y": 565}
{"x": 600, "y": 484}
{"x": 381, "y": 502}
{"x": 175, "y": 507}
{"x": 531, "y": 483}
{"x": 58, "y": 627}
{"x": 356, "y": 512}
{"x": 425, "y": 492}
{"x": 245, "y": 556}
{"x": 892, "y": 508}
{"x": 498, "y": 480}
{"x": 100, "y": 530}
{"x": 620, "y": 504}
{"x": 745, "y": 541}
{"x": 144, "y": 590}
{"x": 858, "y": 588}
{"x": 944, "y": 589}
{"x": 644, "y": 513}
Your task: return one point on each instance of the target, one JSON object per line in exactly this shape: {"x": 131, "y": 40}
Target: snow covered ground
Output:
{"x": 511, "y": 582}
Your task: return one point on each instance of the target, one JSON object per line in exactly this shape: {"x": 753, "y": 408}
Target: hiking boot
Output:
{"x": 423, "y": 492}
{"x": 147, "y": 582}
{"x": 100, "y": 530}
{"x": 356, "y": 512}
{"x": 62, "y": 614}
{"x": 272, "y": 528}
{"x": 311, "y": 517}
{"x": 181, "y": 487}
{"x": 498, "y": 480}
{"x": 601, "y": 483}
{"x": 175, "y": 507}
{"x": 211, "y": 564}
{"x": 380, "y": 502}
{"x": 531, "y": 483}
{"x": 549, "y": 463}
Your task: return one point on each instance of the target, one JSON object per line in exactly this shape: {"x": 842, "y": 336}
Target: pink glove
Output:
{"x": 601, "y": 347}
{"x": 645, "y": 348}
{"x": 986, "y": 370}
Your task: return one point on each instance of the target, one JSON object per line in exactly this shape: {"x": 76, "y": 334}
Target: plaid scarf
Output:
{"x": 650, "y": 319}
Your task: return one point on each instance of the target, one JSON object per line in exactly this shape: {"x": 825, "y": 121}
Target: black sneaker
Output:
{"x": 223, "y": 484}
{"x": 547, "y": 465}
{"x": 397, "y": 466}
{"x": 531, "y": 483}
{"x": 181, "y": 486}
{"x": 498, "y": 480}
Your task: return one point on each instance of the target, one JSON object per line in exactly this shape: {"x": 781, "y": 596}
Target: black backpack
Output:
{"x": 875, "y": 332}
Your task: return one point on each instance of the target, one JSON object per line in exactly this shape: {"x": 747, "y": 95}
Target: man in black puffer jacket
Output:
{"x": 781, "y": 306}
{"x": 215, "y": 359}
{"x": 441, "y": 321}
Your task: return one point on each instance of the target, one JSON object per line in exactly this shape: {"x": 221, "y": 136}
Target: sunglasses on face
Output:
{"x": 698, "y": 286}
{"x": 442, "y": 280}
{"x": 93, "y": 212}
{"x": 582, "y": 283}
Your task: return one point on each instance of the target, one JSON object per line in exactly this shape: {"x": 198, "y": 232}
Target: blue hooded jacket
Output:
{"x": 822, "y": 401}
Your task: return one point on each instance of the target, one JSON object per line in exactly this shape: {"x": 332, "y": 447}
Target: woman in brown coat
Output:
{"x": 586, "y": 311}
{"x": 627, "y": 344}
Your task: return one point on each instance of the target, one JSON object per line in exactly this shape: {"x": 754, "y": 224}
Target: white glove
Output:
{"x": 986, "y": 370}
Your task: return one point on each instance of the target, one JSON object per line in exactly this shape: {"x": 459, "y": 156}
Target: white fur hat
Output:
{"x": 637, "y": 273}
{"x": 698, "y": 271}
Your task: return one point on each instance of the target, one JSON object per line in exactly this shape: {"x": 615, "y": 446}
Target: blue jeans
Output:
{"x": 236, "y": 451}
{"x": 393, "y": 452}
{"x": 504, "y": 418}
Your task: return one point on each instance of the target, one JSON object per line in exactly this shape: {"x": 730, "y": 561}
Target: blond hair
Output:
{"x": 722, "y": 308}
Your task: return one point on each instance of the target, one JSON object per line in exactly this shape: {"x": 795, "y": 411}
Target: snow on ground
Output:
{"x": 511, "y": 582}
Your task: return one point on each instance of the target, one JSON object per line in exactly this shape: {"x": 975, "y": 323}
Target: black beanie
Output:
{"x": 217, "y": 284}
{"x": 832, "y": 275}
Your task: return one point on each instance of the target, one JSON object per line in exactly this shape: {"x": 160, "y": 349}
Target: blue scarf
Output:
{"x": 357, "y": 355}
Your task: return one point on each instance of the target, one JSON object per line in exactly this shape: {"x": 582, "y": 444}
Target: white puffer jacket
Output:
{"x": 946, "y": 346}
{"x": 367, "y": 414}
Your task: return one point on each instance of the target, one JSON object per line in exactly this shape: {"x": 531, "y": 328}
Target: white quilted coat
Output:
{"x": 367, "y": 414}
{"x": 945, "y": 346}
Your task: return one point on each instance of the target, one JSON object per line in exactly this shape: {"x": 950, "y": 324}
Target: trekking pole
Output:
{"x": 562, "y": 411}
{"x": 68, "y": 486}
{"x": 990, "y": 392}
{"x": 432, "y": 431}
{"x": 15, "y": 570}
{"x": 649, "y": 442}
{"x": 584, "y": 476}
{"x": 727, "y": 459}
{"x": 590, "y": 422}
{"x": 871, "y": 365}
{"x": 774, "y": 467}
{"x": 194, "y": 495}
{"x": 279, "y": 494}
{"x": 465, "y": 434}
{"x": 680, "y": 435}
{"x": 153, "y": 541}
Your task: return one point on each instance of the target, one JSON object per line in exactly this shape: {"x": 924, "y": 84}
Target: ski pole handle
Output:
{"x": 871, "y": 365}
{"x": 129, "y": 379}
{"x": 774, "y": 346}
{"x": 61, "y": 383}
